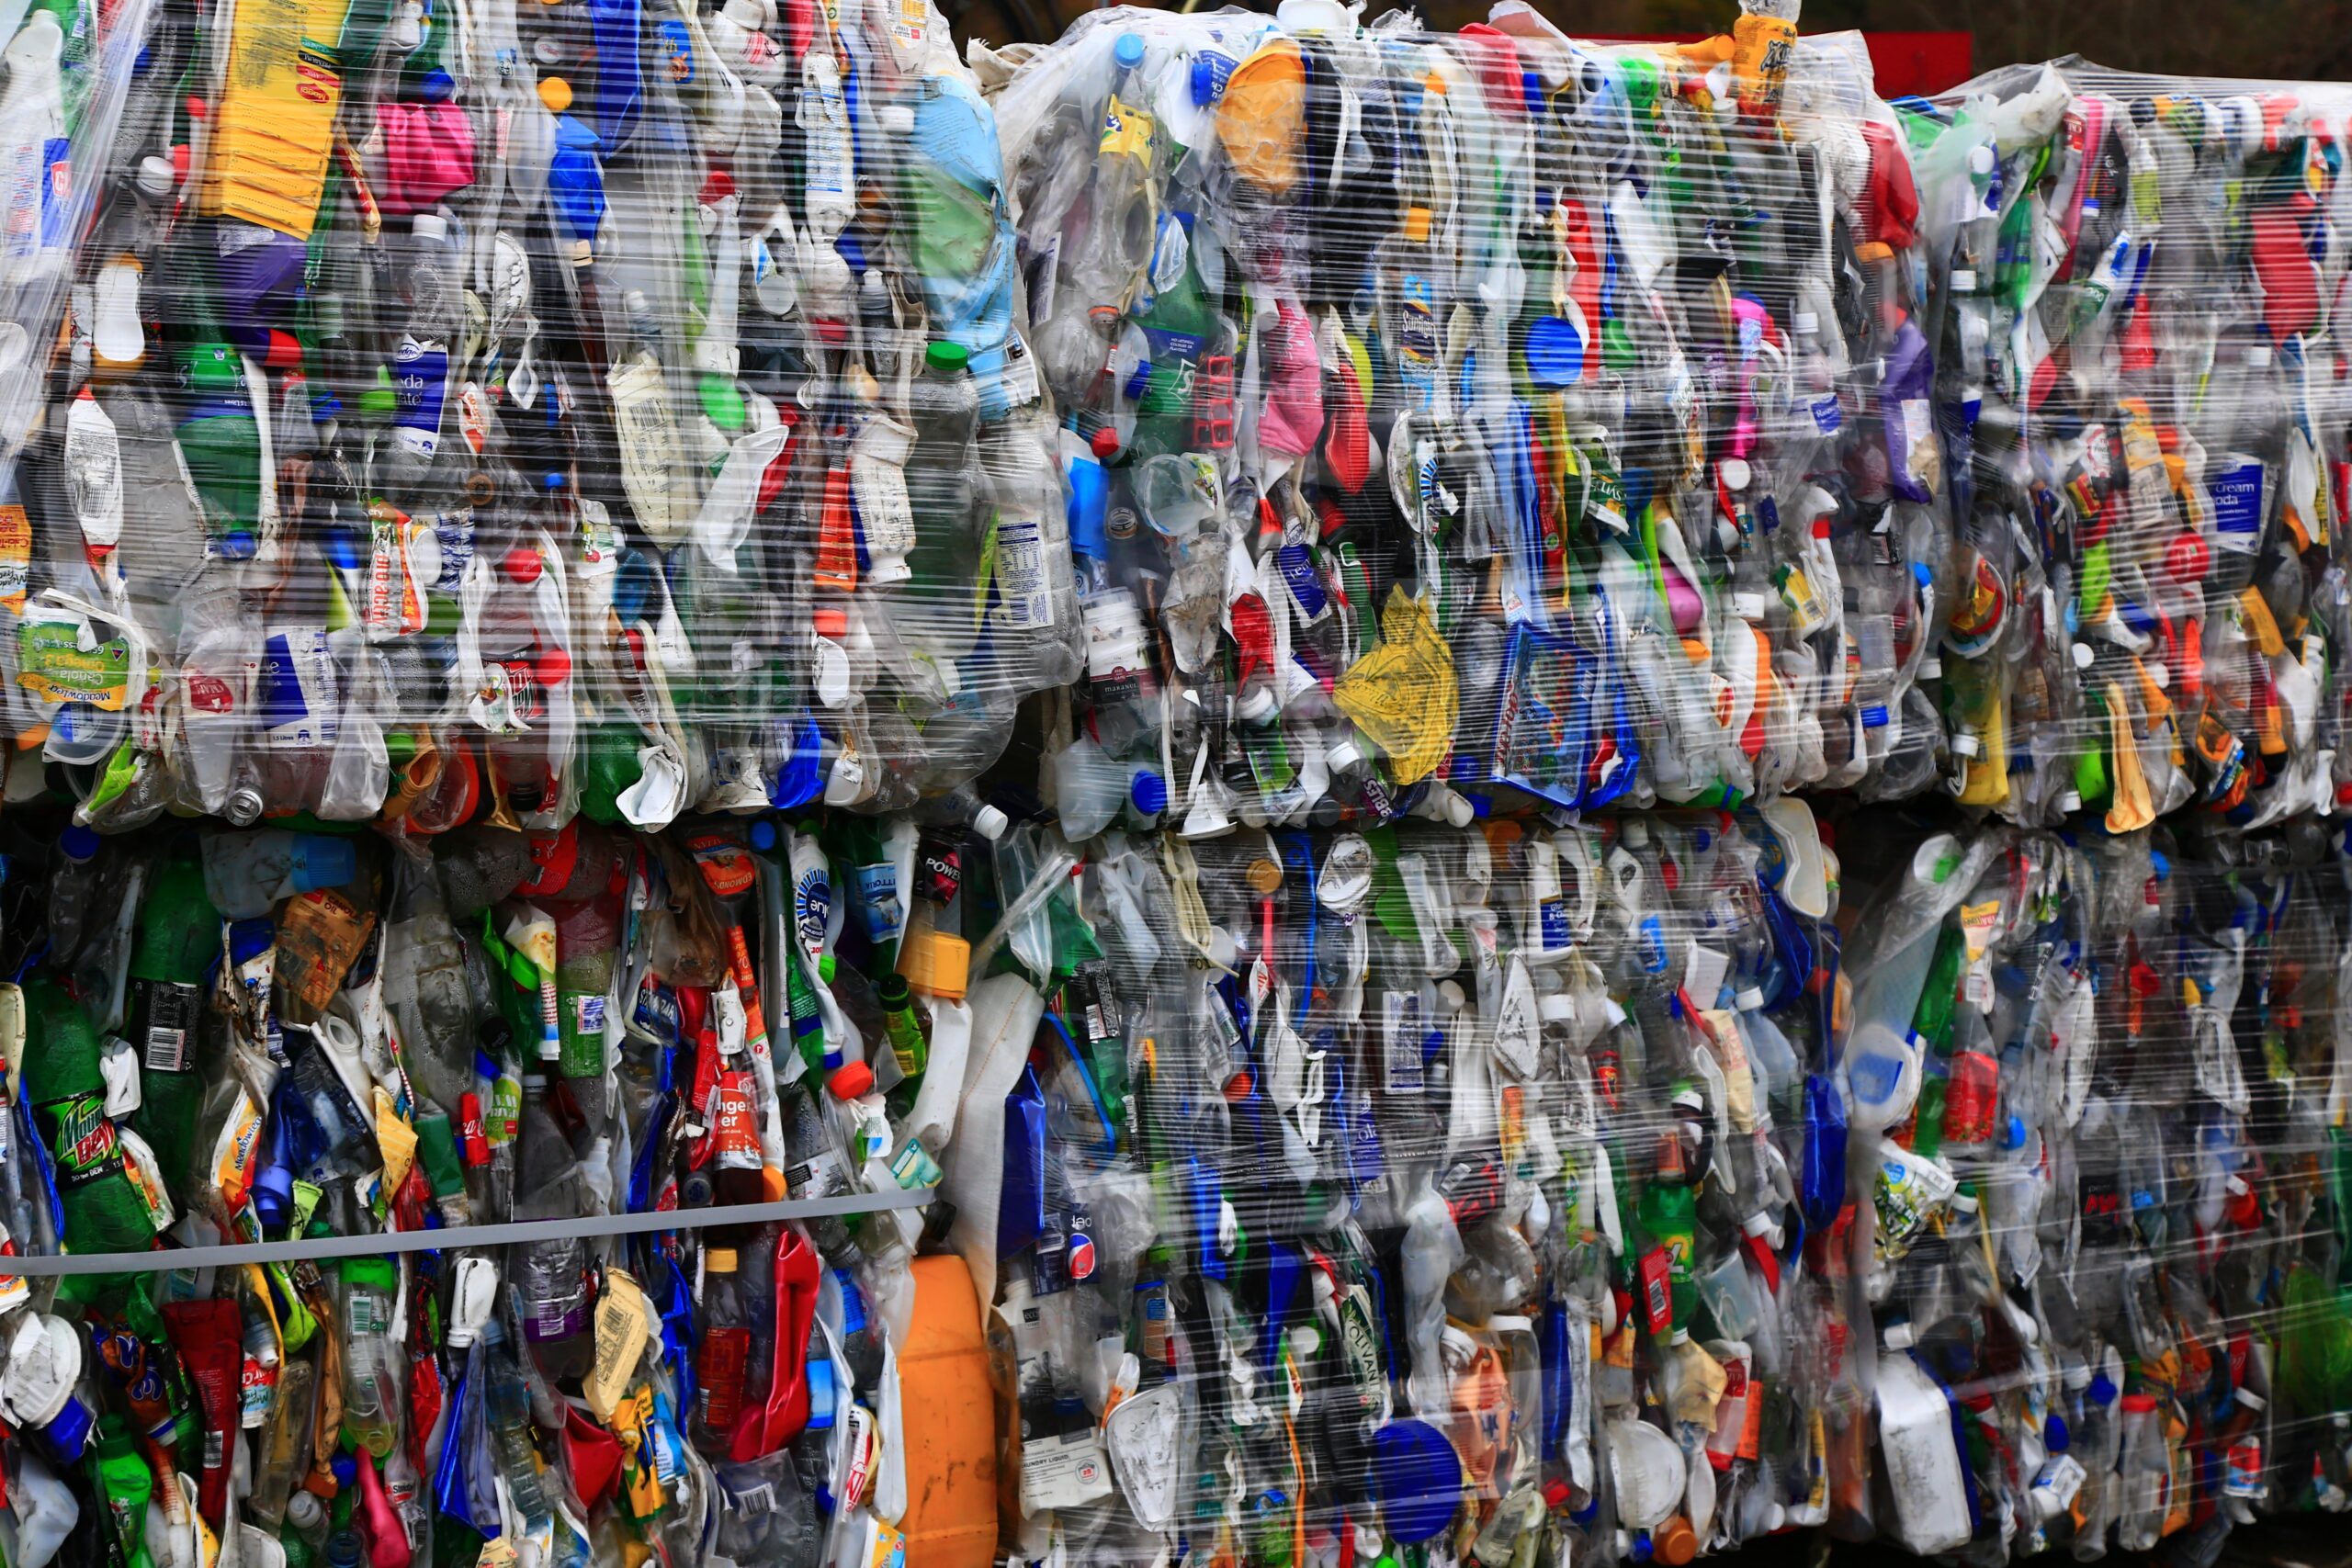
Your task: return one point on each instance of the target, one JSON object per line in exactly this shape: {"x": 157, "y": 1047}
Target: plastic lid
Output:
{"x": 429, "y": 225}
{"x": 2139, "y": 1403}
{"x": 1103, "y": 444}
{"x": 156, "y": 176}
{"x": 850, "y": 1080}
{"x": 1750, "y": 999}
{"x": 1148, "y": 792}
{"x": 1128, "y": 51}
{"x": 990, "y": 823}
{"x": 436, "y": 86}
{"x": 1419, "y": 1478}
{"x": 78, "y": 842}
{"x": 2102, "y": 1390}
{"x": 1557, "y": 1007}
{"x": 2054, "y": 1435}
{"x": 763, "y": 834}
{"x": 944, "y": 355}
{"x": 555, "y": 93}
{"x": 1806, "y": 321}
{"x": 1674, "y": 1543}
{"x": 1736, "y": 473}
{"x": 719, "y": 1260}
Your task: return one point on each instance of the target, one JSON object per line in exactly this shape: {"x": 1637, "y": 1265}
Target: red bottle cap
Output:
{"x": 850, "y": 1080}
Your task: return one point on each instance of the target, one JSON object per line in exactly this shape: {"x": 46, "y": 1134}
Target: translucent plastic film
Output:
{"x": 540, "y": 408}
{"x": 1549, "y": 421}
{"x": 2141, "y": 397}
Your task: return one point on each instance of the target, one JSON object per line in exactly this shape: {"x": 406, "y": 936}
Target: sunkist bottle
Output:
{"x": 177, "y": 939}
{"x": 722, "y": 1354}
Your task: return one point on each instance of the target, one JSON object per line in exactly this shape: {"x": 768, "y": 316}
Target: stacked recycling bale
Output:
{"x": 1504, "y": 797}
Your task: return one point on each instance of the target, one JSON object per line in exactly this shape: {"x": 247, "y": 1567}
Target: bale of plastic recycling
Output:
{"x": 2135, "y": 278}
{"x": 1553, "y": 801}
{"x": 1550, "y": 422}
{"x": 573, "y": 409}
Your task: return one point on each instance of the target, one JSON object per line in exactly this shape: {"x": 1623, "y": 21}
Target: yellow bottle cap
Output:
{"x": 556, "y": 93}
{"x": 1417, "y": 225}
{"x": 719, "y": 1260}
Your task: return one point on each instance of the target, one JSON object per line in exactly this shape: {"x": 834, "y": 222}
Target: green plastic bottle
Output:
{"x": 1668, "y": 1217}
{"x": 119, "y": 1475}
{"x": 67, "y": 1092}
{"x": 178, "y": 938}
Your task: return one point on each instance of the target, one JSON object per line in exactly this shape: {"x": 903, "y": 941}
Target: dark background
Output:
{"x": 2294, "y": 40}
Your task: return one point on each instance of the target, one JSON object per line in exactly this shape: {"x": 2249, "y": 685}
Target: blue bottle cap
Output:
{"x": 436, "y": 86}
{"x": 78, "y": 842}
{"x": 763, "y": 834}
{"x": 1555, "y": 352}
{"x": 2054, "y": 1435}
{"x": 552, "y": 481}
{"x": 345, "y": 1468}
{"x": 1128, "y": 51}
{"x": 2102, "y": 1391}
{"x": 1148, "y": 792}
{"x": 2159, "y": 864}
{"x": 1419, "y": 1477}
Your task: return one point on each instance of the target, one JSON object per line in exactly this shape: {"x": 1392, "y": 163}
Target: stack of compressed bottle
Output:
{"x": 1261, "y": 790}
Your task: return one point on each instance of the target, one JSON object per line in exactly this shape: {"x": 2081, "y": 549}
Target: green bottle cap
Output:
{"x": 722, "y": 404}
{"x": 214, "y": 369}
{"x": 377, "y": 403}
{"x": 947, "y": 358}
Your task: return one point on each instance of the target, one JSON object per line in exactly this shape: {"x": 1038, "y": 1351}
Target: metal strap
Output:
{"x": 458, "y": 1237}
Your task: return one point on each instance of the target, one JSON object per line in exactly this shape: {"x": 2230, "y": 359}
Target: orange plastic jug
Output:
{"x": 948, "y": 1418}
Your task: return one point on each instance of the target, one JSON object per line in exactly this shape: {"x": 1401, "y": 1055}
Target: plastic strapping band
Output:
{"x": 460, "y": 1238}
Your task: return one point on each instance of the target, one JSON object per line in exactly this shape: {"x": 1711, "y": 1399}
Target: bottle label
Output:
{"x": 1021, "y": 602}
{"x": 53, "y": 665}
{"x": 420, "y": 386}
{"x": 720, "y": 1365}
{"x": 166, "y": 1028}
{"x": 81, "y": 1141}
{"x": 298, "y": 689}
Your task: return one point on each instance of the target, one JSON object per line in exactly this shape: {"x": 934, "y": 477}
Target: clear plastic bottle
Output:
{"x": 371, "y": 1379}
{"x": 942, "y": 485}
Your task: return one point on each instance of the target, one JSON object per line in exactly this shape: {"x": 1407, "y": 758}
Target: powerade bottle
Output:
{"x": 178, "y": 937}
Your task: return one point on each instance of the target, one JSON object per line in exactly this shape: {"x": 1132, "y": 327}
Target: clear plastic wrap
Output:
{"x": 517, "y": 410}
{"x": 2141, "y": 400}
{"x": 1257, "y": 790}
{"x": 1478, "y": 412}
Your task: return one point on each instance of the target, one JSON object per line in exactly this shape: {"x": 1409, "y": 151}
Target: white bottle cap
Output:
{"x": 1343, "y": 754}
{"x": 1757, "y": 1223}
{"x": 2083, "y": 656}
{"x": 2257, "y": 356}
{"x": 1931, "y": 669}
{"x": 1451, "y": 997}
{"x": 1735, "y": 473}
{"x": 988, "y": 821}
{"x": 1898, "y": 1337}
{"x": 1964, "y": 280}
{"x": 2070, "y": 801}
{"x": 1459, "y": 811}
{"x": 1980, "y": 158}
{"x": 1257, "y": 706}
{"x": 155, "y": 176}
{"x": 1806, "y": 321}
{"x": 1964, "y": 744}
{"x": 429, "y": 225}
{"x": 1510, "y": 1322}
{"x": 1557, "y": 1007}
{"x": 899, "y": 119}
{"x": 1634, "y": 831}
{"x": 1750, "y": 998}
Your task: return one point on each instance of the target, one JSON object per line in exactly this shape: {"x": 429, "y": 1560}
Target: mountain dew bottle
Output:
{"x": 178, "y": 940}
{"x": 67, "y": 1091}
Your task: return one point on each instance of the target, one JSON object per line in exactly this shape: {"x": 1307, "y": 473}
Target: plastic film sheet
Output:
{"x": 1451, "y": 797}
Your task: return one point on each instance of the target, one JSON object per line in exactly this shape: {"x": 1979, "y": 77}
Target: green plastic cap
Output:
{"x": 947, "y": 358}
